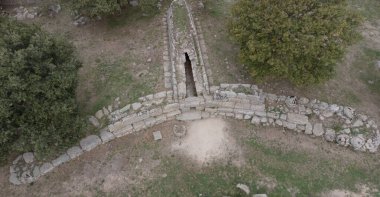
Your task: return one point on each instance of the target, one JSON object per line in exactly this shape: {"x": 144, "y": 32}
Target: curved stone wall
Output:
{"x": 334, "y": 123}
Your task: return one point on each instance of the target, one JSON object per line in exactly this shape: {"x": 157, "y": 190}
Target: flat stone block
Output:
{"x": 106, "y": 136}
{"x": 46, "y": 167}
{"x": 74, "y": 152}
{"x": 90, "y": 142}
{"x": 60, "y": 160}
{"x": 188, "y": 116}
{"x": 157, "y": 135}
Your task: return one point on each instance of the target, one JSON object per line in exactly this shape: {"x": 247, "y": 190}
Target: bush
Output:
{"x": 149, "y": 7}
{"x": 298, "y": 39}
{"x": 38, "y": 77}
{"x": 98, "y": 8}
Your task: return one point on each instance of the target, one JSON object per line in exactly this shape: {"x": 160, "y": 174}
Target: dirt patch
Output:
{"x": 207, "y": 141}
{"x": 363, "y": 191}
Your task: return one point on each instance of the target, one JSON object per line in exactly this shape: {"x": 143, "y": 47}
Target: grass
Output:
{"x": 369, "y": 74}
{"x": 180, "y": 17}
{"x": 308, "y": 174}
{"x": 369, "y": 9}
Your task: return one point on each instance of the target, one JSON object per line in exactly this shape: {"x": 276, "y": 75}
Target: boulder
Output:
{"x": 106, "y": 136}
{"x": 90, "y": 142}
{"x": 188, "y": 116}
{"x": 46, "y": 167}
{"x": 74, "y": 152}
{"x": 28, "y": 157}
{"x": 330, "y": 135}
{"x": 318, "y": 129}
{"x": 244, "y": 188}
{"x": 94, "y": 121}
{"x": 343, "y": 139}
{"x": 298, "y": 118}
{"x": 357, "y": 142}
{"x": 60, "y": 160}
{"x": 349, "y": 112}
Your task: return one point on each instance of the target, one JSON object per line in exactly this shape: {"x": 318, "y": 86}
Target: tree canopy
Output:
{"x": 38, "y": 78}
{"x": 96, "y": 8}
{"x": 301, "y": 40}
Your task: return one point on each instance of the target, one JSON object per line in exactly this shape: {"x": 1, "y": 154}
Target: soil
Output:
{"x": 207, "y": 141}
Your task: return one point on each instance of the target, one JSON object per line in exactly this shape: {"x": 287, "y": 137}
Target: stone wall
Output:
{"x": 337, "y": 124}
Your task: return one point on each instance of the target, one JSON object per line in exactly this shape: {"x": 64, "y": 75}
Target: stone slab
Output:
{"x": 74, "y": 152}
{"x": 189, "y": 116}
{"x": 90, "y": 142}
{"x": 60, "y": 160}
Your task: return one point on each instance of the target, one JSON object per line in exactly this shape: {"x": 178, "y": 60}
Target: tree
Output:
{"x": 38, "y": 78}
{"x": 298, "y": 39}
{"x": 97, "y": 8}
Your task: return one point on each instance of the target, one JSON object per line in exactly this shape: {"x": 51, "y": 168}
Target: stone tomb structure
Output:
{"x": 189, "y": 96}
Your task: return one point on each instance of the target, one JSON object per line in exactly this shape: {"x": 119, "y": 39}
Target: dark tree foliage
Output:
{"x": 96, "y": 8}
{"x": 301, "y": 40}
{"x": 38, "y": 78}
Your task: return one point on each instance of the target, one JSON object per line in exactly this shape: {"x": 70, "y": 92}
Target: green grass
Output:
{"x": 308, "y": 174}
{"x": 369, "y": 9}
{"x": 369, "y": 74}
{"x": 180, "y": 17}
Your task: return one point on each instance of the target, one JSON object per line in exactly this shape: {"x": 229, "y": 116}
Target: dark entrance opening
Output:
{"x": 190, "y": 83}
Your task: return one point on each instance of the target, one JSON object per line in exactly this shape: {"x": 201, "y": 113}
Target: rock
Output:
{"x": 13, "y": 178}
{"x": 136, "y": 106}
{"x": 134, "y": 3}
{"x": 106, "y": 136}
{"x": 243, "y": 187}
{"x": 289, "y": 125}
{"x": 157, "y": 135}
{"x": 54, "y": 9}
{"x": 26, "y": 177}
{"x": 318, "y": 129}
{"x": 346, "y": 131}
{"x": 74, "y": 152}
{"x": 303, "y": 101}
{"x": 189, "y": 116}
{"x": 309, "y": 129}
{"x": 358, "y": 123}
{"x": 36, "y": 171}
{"x": 330, "y": 135}
{"x": 357, "y": 142}
{"x": 371, "y": 146}
{"x": 90, "y": 142}
{"x": 105, "y": 111}
{"x": 334, "y": 108}
{"x": 28, "y": 157}
{"x": 80, "y": 21}
{"x": 259, "y": 195}
{"x": 291, "y": 101}
{"x": 179, "y": 130}
{"x": 149, "y": 60}
{"x": 17, "y": 160}
{"x": 343, "y": 139}
{"x": 349, "y": 112}
{"x": 298, "y": 118}
{"x": 46, "y": 167}
{"x": 255, "y": 120}
{"x": 60, "y": 160}
{"x": 94, "y": 121}
{"x": 378, "y": 65}
{"x": 99, "y": 114}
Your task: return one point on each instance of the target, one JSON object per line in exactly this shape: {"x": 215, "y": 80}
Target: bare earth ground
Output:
{"x": 137, "y": 165}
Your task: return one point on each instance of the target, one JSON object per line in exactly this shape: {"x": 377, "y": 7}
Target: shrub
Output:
{"x": 38, "y": 77}
{"x": 298, "y": 39}
{"x": 149, "y": 7}
{"x": 98, "y": 8}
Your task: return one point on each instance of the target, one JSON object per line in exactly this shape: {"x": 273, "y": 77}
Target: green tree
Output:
{"x": 297, "y": 39}
{"x": 38, "y": 78}
{"x": 96, "y": 8}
